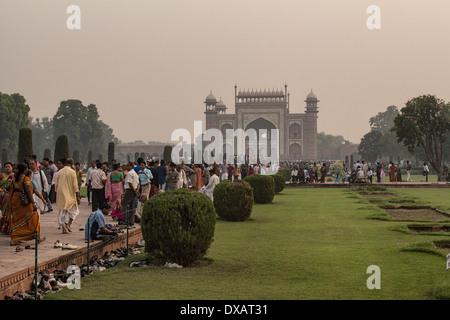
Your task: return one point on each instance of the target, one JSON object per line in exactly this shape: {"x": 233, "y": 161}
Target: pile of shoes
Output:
{"x": 55, "y": 281}
{"x": 113, "y": 228}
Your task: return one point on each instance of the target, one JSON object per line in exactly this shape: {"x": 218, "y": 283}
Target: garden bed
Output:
{"x": 438, "y": 228}
{"x": 416, "y": 213}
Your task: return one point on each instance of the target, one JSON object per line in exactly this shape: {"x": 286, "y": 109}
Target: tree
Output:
{"x": 110, "y": 152}
{"x": 369, "y": 148}
{"x": 383, "y": 121}
{"x": 42, "y": 135}
{"x": 25, "y": 144}
{"x": 80, "y": 124}
{"x": 424, "y": 122}
{"x": 337, "y": 169}
{"x": 327, "y": 143}
{"x": 13, "y": 116}
{"x": 61, "y": 148}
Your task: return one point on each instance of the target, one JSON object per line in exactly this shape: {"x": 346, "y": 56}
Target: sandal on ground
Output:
{"x": 18, "y": 249}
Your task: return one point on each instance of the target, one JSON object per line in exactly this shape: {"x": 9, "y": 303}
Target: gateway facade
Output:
{"x": 269, "y": 109}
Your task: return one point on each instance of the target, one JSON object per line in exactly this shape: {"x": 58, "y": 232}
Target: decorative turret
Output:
{"x": 211, "y": 102}
{"x": 221, "y": 107}
{"x": 311, "y": 103}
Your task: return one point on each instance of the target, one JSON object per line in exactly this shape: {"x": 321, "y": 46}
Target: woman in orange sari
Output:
{"x": 24, "y": 219}
{"x": 392, "y": 171}
{"x": 5, "y": 182}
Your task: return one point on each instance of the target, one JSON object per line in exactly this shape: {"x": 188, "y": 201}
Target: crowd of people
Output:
{"x": 32, "y": 188}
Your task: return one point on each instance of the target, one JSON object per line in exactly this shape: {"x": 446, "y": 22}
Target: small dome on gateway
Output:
{"x": 311, "y": 96}
{"x": 211, "y": 98}
{"x": 221, "y": 104}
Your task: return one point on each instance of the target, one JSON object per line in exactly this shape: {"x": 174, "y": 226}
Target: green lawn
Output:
{"x": 309, "y": 244}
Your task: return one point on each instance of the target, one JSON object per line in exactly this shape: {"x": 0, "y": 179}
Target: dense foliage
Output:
{"x": 178, "y": 226}
{"x": 233, "y": 200}
{"x": 263, "y": 187}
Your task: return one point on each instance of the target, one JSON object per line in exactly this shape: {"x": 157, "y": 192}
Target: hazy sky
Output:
{"x": 149, "y": 64}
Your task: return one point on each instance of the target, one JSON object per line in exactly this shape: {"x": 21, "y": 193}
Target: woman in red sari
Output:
{"x": 198, "y": 178}
{"x": 24, "y": 218}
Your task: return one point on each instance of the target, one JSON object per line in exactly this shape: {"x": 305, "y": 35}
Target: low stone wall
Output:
{"x": 22, "y": 280}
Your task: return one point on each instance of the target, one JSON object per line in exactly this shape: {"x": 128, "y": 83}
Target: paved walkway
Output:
{"x": 12, "y": 261}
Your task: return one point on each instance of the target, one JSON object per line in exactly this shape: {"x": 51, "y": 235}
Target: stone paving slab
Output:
{"x": 12, "y": 261}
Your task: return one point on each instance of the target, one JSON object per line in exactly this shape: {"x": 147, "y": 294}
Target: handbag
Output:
{"x": 24, "y": 198}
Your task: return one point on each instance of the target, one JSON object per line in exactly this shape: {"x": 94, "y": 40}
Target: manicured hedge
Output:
{"x": 280, "y": 182}
{"x": 233, "y": 201}
{"x": 263, "y": 187}
{"x": 178, "y": 226}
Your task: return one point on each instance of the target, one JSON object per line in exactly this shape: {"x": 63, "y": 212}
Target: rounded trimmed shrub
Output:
{"x": 233, "y": 200}
{"x": 286, "y": 173}
{"x": 178, "y": 226}
{"x": 280, "y": 182}
{"x": 263, "y": 187}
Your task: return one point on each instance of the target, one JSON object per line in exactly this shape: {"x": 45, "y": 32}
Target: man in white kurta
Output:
{"x": 209, "y": 188}
{"x": 67, "y": 196}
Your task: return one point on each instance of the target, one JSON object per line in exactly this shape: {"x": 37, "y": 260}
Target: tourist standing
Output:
{"x": 131, "y": 192}
{"x": 213, "y": 181}
{"x": 49, "y": 172}
{"x": 323, "y": 172}
{"x": 230, "y": 170}
{"x": 173, "y": 177}
{"x": 97, "y": 180}
{"x": 67, "y": 196}
{"x": 145, "y": 177}
{"x": 88, "y": 181}
{"x": 6, "y": 179}
{"x": 162, "y": 175}
{"x": 79, "y": 174}
{"x": 223, "y": 171}
{"x": 408, "y": 171}
{"x": 236, "y": 172}
{"x": 114, "y": 190}
{"x": 392, "y": 170}
{"x": 40, "y": 181}
{"x": 426, "y": 171}
{"x": 24, "y": 218}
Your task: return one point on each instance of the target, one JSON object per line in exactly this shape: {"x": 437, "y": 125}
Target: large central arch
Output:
{"x": 257, "y": 125}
